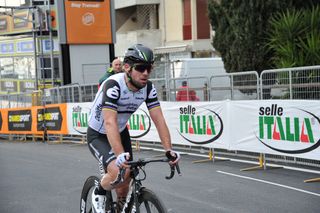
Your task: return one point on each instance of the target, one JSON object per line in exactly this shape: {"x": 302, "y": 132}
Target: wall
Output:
{"x": 82, "y": 56}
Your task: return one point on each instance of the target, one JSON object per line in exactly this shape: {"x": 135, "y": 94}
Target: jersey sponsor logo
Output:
{"x": 124, "y": 98}
{"x": 113, "y": 92}
{"x": 98, "y": 112}
{"x": 139, "y": 98}
{"x": 153, "y": 93}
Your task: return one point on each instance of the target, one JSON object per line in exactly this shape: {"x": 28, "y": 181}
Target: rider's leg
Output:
{"x": 111, "y": 175}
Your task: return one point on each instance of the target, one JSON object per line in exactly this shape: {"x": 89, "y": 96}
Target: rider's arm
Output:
{"x": 111, "y": 125}
{"x": 162, "y": 128}
{"x": 111, "y": 93}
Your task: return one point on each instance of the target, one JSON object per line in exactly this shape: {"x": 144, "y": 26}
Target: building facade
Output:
{"x": 173, "y": 28}
{"x": 72, "y": 42}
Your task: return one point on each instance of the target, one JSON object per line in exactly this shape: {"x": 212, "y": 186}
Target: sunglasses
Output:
{"x": 142, "y": 67}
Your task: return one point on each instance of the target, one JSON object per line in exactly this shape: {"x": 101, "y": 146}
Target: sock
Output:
{"x": 99, "y": 190}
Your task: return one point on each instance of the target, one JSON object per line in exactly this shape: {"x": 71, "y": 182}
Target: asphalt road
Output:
{"x": 39, "y": 177}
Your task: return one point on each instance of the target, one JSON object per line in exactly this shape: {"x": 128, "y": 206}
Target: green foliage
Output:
{"x": 242, "y": 28}
{"x": 240, "y": 32}
{"x": 294, "y": 38}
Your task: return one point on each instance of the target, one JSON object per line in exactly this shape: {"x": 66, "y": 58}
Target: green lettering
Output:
{"x": 261, "y": 127}
{"x": 290, "y": 136}
{"x": 269, "y": 121}
{"x": 211, "y": 121}
{"x": 309, "y": 130}
{"x": 195, "y": 129}
{"x": 280, "y": 126}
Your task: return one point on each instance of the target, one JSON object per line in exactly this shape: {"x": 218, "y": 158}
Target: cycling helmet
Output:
{"x": 138, "y": 53}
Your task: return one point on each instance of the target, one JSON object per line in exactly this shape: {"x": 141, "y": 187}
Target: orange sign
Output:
{"x": 88, "y": 22}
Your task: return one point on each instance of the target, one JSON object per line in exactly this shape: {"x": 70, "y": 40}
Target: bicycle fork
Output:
{"x": 132, "y": 199}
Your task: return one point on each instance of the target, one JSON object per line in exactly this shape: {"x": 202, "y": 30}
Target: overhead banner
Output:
{"x": 88, "y": 22}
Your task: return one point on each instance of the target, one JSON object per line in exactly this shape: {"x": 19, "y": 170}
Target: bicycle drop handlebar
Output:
{"x": 142, "y": 162}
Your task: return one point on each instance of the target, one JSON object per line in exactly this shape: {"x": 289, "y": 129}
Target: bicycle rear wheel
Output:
{"x": 150, "y": 203}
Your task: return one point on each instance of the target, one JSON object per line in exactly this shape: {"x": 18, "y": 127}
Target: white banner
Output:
{"x": 189, "y": 123}
{"x": 283, "y": 127}
{"x": 78, "y": 115}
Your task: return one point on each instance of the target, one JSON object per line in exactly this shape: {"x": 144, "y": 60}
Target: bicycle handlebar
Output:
{"x": 143, "y": 162}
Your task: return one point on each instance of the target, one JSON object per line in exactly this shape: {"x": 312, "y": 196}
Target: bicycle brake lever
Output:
{"x": 171, "y": 173}
{"x": 120, "y": 177}
{"x": 178, "y": 169}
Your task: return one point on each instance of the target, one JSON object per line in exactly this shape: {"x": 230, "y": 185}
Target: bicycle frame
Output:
{"x": 135, "y": 185}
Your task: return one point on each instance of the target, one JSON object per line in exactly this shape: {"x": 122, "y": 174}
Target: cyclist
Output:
{"x": 108, "y": 137}
{"x": 115, "y": 68}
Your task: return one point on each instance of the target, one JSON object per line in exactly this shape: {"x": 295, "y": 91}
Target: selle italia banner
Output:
{"x": 277, "y": 127}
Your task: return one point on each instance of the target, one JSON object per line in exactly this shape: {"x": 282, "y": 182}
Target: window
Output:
{"x": 187, "y": 27}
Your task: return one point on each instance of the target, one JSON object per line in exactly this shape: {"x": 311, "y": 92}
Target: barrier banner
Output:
{"x": 189, "y": 123}
{"x": 54, "y": 118}
{"x": 1, "y": 120}
{"x": 285, "y": 127}
{"x": 20, "y": 120}
{"x": 78, "y": 115}
{"x": 281, "y": 127}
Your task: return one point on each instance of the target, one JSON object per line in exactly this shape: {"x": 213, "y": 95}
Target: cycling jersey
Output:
{"x": 115, "y": 95}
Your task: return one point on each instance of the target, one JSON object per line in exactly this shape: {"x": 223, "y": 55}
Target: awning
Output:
{"x": 171, "y": 49}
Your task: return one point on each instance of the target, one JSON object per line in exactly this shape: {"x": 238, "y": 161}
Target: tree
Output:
{"x": 241, "y": 28}
{"x": 294, "y": 40}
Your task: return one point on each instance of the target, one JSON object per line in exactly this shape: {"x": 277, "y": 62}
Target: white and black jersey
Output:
{"x": 115, "y": 95}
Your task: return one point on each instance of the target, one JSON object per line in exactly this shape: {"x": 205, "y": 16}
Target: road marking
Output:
{"x": 268, "y": 182}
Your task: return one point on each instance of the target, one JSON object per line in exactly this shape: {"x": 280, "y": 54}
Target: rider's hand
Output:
{"x": 173, "y": 156}
{"x": 122, "y": 158}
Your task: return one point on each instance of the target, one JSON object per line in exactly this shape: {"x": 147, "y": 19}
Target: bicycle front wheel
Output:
{"x": 87, "y": 190}
{"x": 150, "y": 203}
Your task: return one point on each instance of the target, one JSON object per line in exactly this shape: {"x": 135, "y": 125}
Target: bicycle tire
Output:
{"x": 85, "y": 201}
{"x": 149, "y": 202}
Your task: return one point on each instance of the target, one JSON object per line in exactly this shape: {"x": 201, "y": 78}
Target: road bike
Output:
{"x": 139, "y": 199}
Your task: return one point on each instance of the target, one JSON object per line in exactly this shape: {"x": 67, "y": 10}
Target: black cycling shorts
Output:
{"x": 100, "y": 148}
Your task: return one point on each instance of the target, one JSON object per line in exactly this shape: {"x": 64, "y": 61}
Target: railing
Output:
{"x": 289, "y": 83}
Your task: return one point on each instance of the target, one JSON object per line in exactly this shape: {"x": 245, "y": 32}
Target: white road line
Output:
{"x": 268, "y": 182}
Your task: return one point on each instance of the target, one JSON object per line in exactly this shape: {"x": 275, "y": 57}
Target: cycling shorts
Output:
{"x": 100, "y": 148}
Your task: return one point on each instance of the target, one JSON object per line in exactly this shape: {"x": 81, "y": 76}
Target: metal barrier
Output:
{"x": 291, "y": 83}
{"x": 235, "y": 86}
{"x": 198, "y": 85}
{"x": 63, "y": 94}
